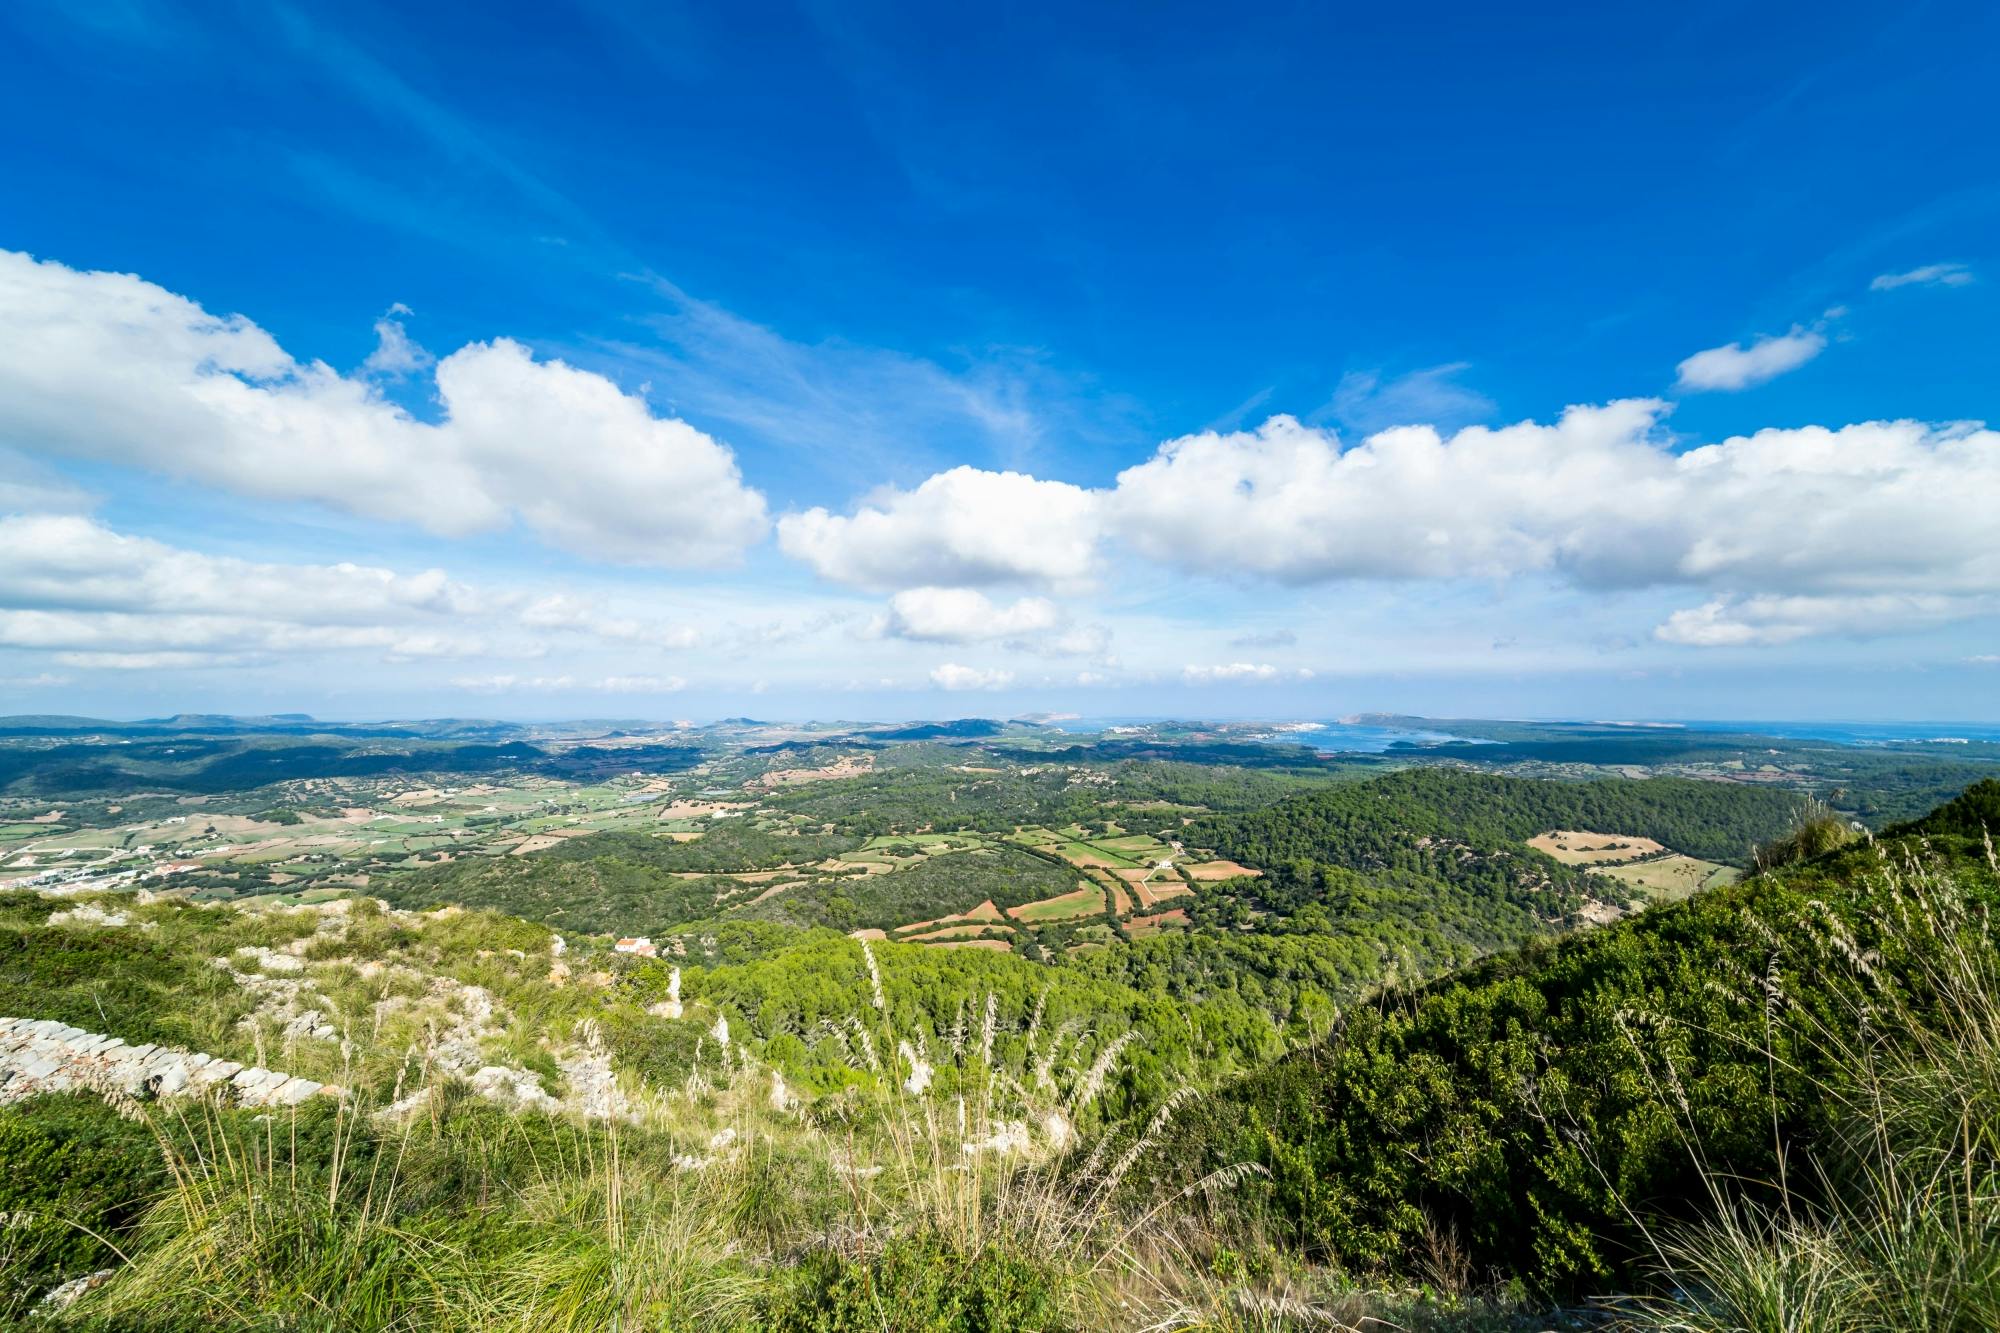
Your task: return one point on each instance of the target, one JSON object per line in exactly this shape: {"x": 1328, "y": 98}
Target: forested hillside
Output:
{"x": 1551, "y": 1108}
{"x": 629, "y": 884}
{"x": 1373, "y": 824}
{"x": 1413, "y": 873}
{"x": 1013, "y": 787}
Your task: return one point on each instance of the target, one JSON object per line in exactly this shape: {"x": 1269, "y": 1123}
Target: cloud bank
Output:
{"x": 99, "y": 598}
{"x": 1769, "y": 537}
{"x": 109, "y": 367}
{"x": 1599, "y": 499}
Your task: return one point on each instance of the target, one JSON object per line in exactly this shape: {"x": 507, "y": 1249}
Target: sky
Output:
{"x": 666, "y": 361}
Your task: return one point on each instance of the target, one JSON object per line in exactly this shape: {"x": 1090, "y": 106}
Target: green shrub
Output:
{"x": 73, "y": 1177}
{"x": 918, "y": 1283}
{"x": 1816, "y": 830}
{"x": 114, "y": 981}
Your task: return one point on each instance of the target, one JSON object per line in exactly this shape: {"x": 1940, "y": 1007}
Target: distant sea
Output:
{"x": 1335, "y": 737}
{"x": 1353, "y": 738}
{"x": 1862, "y": 733}
{"x": 1326, "y": 736}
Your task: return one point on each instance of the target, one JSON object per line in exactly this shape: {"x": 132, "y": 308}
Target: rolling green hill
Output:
{"x": 1374, "y": 824}
{"x": 1546, "y": 1106}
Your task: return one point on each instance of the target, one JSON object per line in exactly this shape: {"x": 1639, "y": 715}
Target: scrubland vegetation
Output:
{"x": 1389, "y": 1079}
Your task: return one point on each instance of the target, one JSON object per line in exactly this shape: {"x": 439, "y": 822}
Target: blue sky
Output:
{"x": 671, "y": 361}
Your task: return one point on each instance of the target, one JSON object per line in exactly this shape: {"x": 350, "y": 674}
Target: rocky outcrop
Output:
{"x": 285, "y": 996}
{"x": 38, "y": 1056}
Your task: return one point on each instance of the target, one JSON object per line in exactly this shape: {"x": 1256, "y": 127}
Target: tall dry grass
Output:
{"x": 1893, "y": 1224}
{"x": 680, "y": 1209}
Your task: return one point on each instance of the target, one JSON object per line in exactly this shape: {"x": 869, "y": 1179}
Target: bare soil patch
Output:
{"x": 1207, "y": 870}
{"x": 1141, "y": 926}
{"x": 846, "y": 767}
{"x": 1574, "y": 847}
{"x": 776, "y": 889}
{"x": 697, "y": 809}
{"x": 985, "y": 912}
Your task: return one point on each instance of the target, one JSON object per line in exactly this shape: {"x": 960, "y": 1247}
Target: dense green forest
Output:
{"x": 1543, "y": 1107}
{"x": 607, "y": 893}
{"x": 1371, "y": 825}
{"x": 970, "y": 794}
{"x": 207, "y": 764}
{"x": 1399, "y": 876}
{"x": 936, "y": 886}
{"x": 631, "y": 884}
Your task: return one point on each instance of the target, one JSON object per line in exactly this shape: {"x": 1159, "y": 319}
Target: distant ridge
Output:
{"x": 926, "y": 731}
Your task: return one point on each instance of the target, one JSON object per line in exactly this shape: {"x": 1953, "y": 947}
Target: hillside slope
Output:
{"x": 1537, "y": 1104}
{"x": 1376, "y": 823}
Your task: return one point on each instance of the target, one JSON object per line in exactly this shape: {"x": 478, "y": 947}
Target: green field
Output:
{"x": 1089, "y": 854}
{"x": 1670, "y": 878}
{"x": 1084, "y": 902}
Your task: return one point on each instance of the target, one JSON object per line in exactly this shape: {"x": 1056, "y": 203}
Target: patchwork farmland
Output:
{"x": 1125, "y": 884}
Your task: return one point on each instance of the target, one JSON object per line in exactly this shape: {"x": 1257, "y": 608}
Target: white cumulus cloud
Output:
{"x": 964, "y": 527}
{"x": 505, "y": 683}
{"x": 1287, "y": 502}
{"x": 110, "y": 367}
{"x": 70, "y": 584}
{"x": 1734, "y": 366}
{"x": 952, "y": 676}
{"x": 1600, "y": 499}
{"x": 163, "y": 661}
{"x": 966, "y": 615}
{"x": 1762, "y": 619}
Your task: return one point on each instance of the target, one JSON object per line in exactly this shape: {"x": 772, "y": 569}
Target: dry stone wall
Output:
{"x": 42, "y": 1055}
